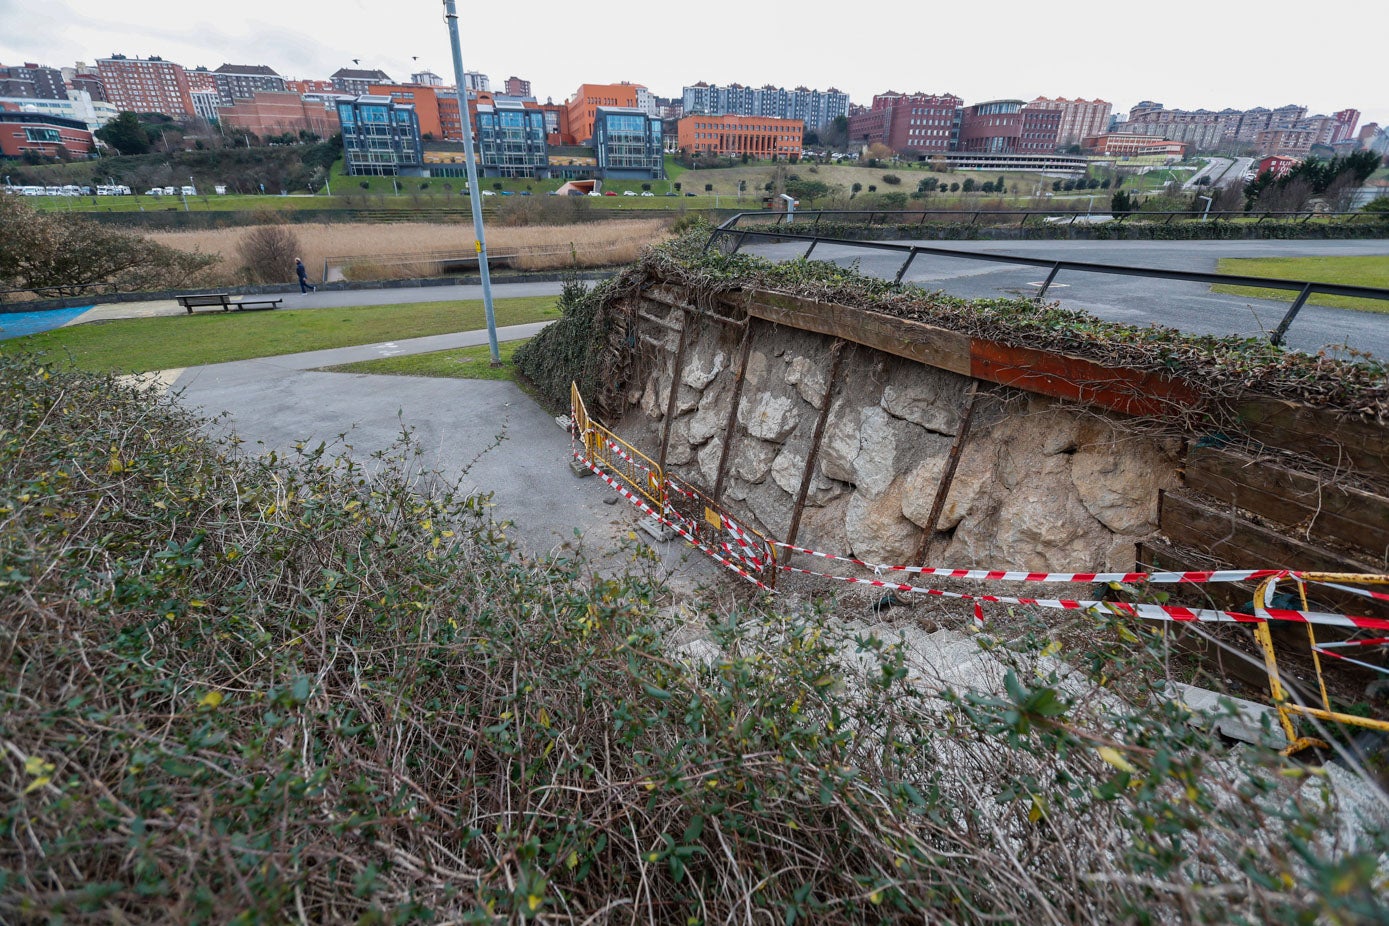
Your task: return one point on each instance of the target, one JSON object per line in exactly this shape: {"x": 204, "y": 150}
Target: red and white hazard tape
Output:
{"x": 1148, "y": 611}
{"x": 643, "y": 506}
{"x": 994, "y": 575}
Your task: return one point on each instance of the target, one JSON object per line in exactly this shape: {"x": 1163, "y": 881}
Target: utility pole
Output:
{"x": 451, "y": 15}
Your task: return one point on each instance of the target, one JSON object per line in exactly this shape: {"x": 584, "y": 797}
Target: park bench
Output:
{"x": 224, "y": 302}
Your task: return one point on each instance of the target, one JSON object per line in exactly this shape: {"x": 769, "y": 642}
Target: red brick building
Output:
{"x": 582, "y": 107}
{"x": 44, "y": 135}
{"x": 994, "y": 127}
{"x": 1040, "y": 130}
{"x": 915, "y": 122}
{"x": 756, "y": 136}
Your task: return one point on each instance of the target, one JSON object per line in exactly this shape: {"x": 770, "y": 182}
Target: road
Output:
{"x": 1191, "y": 307}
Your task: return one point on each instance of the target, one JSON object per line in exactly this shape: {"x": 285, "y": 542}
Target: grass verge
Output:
{"x": 1366, "y": 270}
{"x": 139, "y": 345}
{"x": 463, "y": 363}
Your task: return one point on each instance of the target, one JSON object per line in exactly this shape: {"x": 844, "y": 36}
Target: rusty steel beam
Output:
{"x": 724, "y": 454}
{"x": 674, "y": 391}
{"x": 928, "y": 533}
{"x": 814, "y": 454}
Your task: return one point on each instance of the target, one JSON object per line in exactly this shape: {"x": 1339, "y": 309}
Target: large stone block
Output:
{"x": 704, "y": 360}
{"x": 876, "y": 530}
{"x": 811, "y": 379}
{"x": 926, "y": 396}
{"x": 1119, "y": 481}
{"x": 789, "y": 467}
{"x": 751, "y": 459}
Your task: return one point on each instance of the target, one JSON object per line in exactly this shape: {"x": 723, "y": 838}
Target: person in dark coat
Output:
{"x": 303, "y": 274}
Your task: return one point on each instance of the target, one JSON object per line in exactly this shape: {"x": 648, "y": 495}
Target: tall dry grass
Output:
{"x": 402, "y": 249}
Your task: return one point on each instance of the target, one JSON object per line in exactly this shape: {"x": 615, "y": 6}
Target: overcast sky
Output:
{"x": 1186, "y": 56}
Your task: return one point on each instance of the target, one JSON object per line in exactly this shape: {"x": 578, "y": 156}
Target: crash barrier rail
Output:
{"x": 1303, "y": 288}
{"x": 707, "y": 526}
{"x": 905, "y": 217}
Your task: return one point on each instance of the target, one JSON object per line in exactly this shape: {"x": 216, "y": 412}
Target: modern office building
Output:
{"x": 993, "y": 127}
{"x": 627, "y": 142}
{"x": 380, "y": 136}
{"x": 146, "y": 85}
{"x": 1120, "y": 145}
{"x": 815, "y": 108}
{"x": 511, "y": 140}
{"x": 267, "y": 112}
{"x": 44, "y": 135}
{"x": 78, "y": 106}
{"x": 582, "y": 107}
{"x": 242, "y": 81}
{"x": 206, "y": 104}
{"x": 735, "y": 136}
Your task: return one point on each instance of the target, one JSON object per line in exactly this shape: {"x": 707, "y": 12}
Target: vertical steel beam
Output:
{"x": 676, "y": 370}
{"x": 928, "y": 533}
{"x": 732, "y": 422}
{"x": 1055, "y": 269}
{"x": 1277, "y": 337}
{"x": 902, "y": 270}
{"x": 814, "y": 453}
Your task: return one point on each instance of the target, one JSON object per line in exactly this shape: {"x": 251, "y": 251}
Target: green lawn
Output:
{"x": 461, "y": 363}
{"x": 139, "y": 345}
{"x": 1351, "y": 271}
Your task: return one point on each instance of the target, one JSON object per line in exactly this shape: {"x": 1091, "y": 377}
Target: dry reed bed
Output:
{"x": 613, "y": 242}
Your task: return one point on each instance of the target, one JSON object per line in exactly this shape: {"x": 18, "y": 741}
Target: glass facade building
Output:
{"x": 511, "y": 141}
{"x": 380, "y": 136}
{"x": 628, "y": 144}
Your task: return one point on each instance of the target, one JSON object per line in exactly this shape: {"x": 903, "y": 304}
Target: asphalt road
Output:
{"x": 1134, "y": 300}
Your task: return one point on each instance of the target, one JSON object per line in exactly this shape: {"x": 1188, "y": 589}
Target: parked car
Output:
{"x": 647, "y": 193}
{"x": 594, "y": 193}
{"x": 610, "y": 193}
{"x": 488, "y": 193}
{"x": 689, "y": 194}
{"x": 628, "y": 193}
{"x": 671, "y": 194}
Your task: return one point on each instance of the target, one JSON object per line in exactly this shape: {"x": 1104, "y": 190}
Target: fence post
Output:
{"x": 1277, "y": 337}
{"x": 1055, "y": 269}
{"x": 901, "y": 271}
{"x": 813, "y": 242}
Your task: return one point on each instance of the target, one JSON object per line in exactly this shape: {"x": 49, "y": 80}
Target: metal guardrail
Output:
{"x": 1303, "y": 288}
{"x": 919, "y": 216}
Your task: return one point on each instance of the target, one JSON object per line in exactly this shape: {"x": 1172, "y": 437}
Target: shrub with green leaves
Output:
{"x": 324, "y": 689}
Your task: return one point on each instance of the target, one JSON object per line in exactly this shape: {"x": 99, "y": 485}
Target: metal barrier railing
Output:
{"x": 1303, "y": 288}
{"x": 871, "y": 217}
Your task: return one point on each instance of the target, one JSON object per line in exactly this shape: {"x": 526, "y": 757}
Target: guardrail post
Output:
{"x": 1286, "y": 323}
{"x": 902, "y": 270}
{"x": 813, "y": 242}
{"x": 742, "y": 236}
{"x": 816, "y": 224}
{"x": 1055, "y": 269}
{"x": 972, "y": 219}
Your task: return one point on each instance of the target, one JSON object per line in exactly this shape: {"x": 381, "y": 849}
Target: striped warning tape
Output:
{"x": 1149, "y": 611}
{"x": 643, "y": 506}
{"x": 994, "y": 575}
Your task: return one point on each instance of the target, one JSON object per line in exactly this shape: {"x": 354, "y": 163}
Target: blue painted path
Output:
{"x": 18, "y": 324}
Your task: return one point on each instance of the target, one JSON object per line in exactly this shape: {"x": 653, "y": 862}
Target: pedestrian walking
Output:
{"x": 303, "y": 274}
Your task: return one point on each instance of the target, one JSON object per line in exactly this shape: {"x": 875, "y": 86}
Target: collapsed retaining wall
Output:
{"x": 858, "y": 433}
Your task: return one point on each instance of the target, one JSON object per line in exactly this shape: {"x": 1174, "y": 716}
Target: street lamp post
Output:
{"x": 1205, "y": 214}
{"x": 451, "y": 16}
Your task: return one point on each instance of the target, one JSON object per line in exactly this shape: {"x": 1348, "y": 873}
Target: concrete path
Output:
{"x": 486, "y": 436}
{"x": 325, "y": 298}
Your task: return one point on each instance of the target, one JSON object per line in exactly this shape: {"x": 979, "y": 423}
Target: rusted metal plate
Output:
{"x": 1130, "y": 392}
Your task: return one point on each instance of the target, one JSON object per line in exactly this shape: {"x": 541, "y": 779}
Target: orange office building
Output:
{"x": 582, "y": 108}
{"x": 755, "y": 136}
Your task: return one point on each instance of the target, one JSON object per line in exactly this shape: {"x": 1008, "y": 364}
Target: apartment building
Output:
{"x": 426, "y": 78}
{"x": 32, "y": 81}
{"x": 146, "y": 85}
{"x": 1080, "y": 119}
{"x": 243, "y": 81}
{"x": 734, "y": 136}
{"x": 270, "y": 112}
{"x": 356, "y": 81}
{"x": 515, "y": 86}
{"x": 88, "y": 82}
{"x": 379, "y": 136}
{"x": 815, "y": 108}
{"x": 909, "y": 122}
{"x": 1041, "y": 129}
